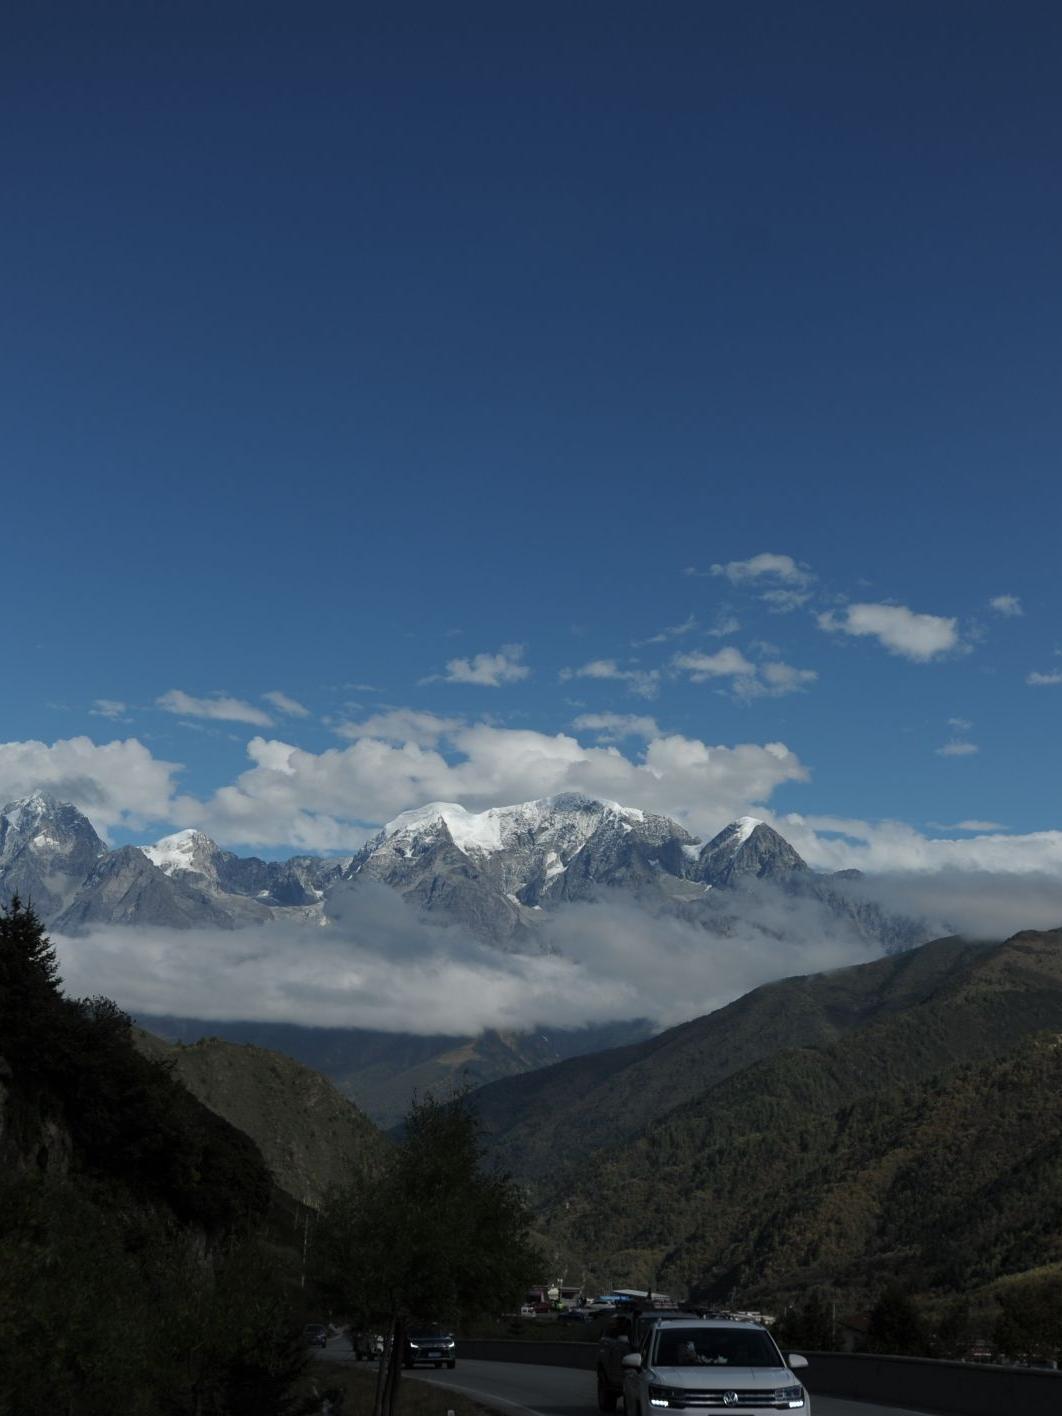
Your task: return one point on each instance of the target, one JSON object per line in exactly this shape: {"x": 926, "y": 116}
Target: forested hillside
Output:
{"x": 925, "y": 1145}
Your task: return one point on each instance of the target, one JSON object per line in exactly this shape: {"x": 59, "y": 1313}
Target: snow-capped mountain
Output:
{"x": 493, "y": 870}
{"x": 192, "y": 857}
{"x": 747, "y": 849}
{"x": 47, "y": 848}
{"x": 500, "y": 873}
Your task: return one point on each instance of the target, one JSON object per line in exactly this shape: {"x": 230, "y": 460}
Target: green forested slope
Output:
{"x": 924, "y": 1144}
{"x": 539, "y": 1124}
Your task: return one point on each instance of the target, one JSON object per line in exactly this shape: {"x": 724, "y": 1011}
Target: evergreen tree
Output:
{"x": 435, "y": 1237}
{"x": 809, "y": 1325}
{"x": 896, "y": 1325}
{"x": 1030, "y": 1321}
{"x": 29, "y": 987}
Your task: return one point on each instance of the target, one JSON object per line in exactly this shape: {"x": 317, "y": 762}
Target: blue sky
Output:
{"x": 346, "y": 343}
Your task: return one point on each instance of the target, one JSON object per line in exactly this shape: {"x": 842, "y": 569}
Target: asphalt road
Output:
{"x": 562, "y": 1391}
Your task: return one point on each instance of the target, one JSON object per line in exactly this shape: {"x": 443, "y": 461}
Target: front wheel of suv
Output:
{"x": 606, "y": 1397}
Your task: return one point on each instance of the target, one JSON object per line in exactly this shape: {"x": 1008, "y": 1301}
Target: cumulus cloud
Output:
{"x": 773, "y": 679}
{"x": 971, "y": 825}
{"x": 112, "y": 708}
{"x": 1038, "y": 680}
{"x": 918, "y": 637}
{"x": 283, "y": 704}
{"x": 381, "y": 966}
{"x": 612, "y": 727}
{"x": 830, "y": 843}
{"x": 324, "y": 801}
{"x": 218, "y": 707}
{"x": 486, "y": 670}
{"x": 724, "y": 625}
{"x": 763, "y": 567}
{"x": 958, "y": 747}
{"x": 724, "y": 663}
{"x": 783, "y": 602}
{"x": 402, "y": 725}
{"x": 644, "y": 683}
{"x": 1009, "y": 606}
{"x": 115, "y": 783}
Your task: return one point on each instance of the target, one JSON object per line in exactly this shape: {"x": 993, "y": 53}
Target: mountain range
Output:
{"x": 504, "y": 876}
{"x": 498, "y": 873}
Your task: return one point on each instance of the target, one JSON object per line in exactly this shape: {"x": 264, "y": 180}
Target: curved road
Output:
{"x": 521, "y": 1389}
{"x": 564, "y": 1391}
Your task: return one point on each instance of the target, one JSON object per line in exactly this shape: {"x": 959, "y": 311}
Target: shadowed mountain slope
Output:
{"x": 924, "y": 1144}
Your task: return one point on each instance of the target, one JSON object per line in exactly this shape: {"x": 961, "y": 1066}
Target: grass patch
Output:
{"x": 358, "y": 1386}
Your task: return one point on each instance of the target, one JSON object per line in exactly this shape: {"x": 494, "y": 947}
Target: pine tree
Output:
{"x": 29, "y": 986}
{"x": 896, "y": 1326}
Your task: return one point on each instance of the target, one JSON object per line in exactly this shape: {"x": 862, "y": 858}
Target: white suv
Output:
{"x": 691, "y": 1365}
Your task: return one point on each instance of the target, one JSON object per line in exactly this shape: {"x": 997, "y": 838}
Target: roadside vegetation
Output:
{"x": 436, "y": 1237}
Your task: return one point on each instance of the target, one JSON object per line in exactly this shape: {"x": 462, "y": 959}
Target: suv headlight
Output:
{"x": 664, "y": 1396}
{"x": 790, "y": 1396}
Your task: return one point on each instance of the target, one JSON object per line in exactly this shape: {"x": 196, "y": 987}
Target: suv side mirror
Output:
{"x": 796, "y": 1361}
{"x": 633, "y": 1360}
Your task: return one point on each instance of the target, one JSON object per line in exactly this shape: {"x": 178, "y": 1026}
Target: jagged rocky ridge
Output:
{"x": 498, "y": 873}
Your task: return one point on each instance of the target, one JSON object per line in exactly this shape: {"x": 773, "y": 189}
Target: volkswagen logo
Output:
{"x": 730, "y": 1398}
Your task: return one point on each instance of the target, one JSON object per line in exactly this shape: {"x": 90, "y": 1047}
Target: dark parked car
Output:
{"x": 574, "y": 1315}
{"x": 315, "y": 1335}
{"x": 430, "y": 1345}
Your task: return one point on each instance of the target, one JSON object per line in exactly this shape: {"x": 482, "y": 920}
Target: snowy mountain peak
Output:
{"x": 486, "y": 832}
{"x": 41, "y": 823}
{"x": 184, "y": 850}
{"x": 747, "y": 849}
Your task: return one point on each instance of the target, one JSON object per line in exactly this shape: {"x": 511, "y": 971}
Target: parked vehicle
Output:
{"x": 623, "y": 1334}
{"x": 431, "y": 1346}
{"x": 314, "y": 1335}
{"x": 685, "y": 1364}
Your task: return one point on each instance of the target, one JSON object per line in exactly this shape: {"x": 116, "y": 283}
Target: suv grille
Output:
{"x": 713, "y": 1399}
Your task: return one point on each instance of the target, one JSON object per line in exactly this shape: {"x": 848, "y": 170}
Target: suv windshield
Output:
{"x": 715, "y": 1346}
{"x": 427, "y": 1335}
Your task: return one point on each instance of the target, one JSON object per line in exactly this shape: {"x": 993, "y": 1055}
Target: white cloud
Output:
{"x": 674, "y": 631}
{"x": 283, "y": 704}
{"x": 381, "y": 966}
{"x": 918, "y": 637}
{"x": 973, "y": 825}
{"x": 765, "y": 566}
{"x": 784, "y": 602}
{"x": 113, "y": 783}
{"x": 1039, "y": 680}
{"x": 770, "y": 680}
{"x": 218, "y": 707}
{"x": 724, "y": 624}
{"x": 324, "y": 801}
{"x": 486, "y": 670}
{"x": 957, "y": 748}
{"x": 402, "y": 725}
{"x": 612, "y": 727}
{"x": 963, "y": 725}
{"x": 1009, "y": 606}
{"x": 724, "y": 663}
{"x": 111, "y": 708}
{"x": 645, "y": 683}
{"x": 845, "y": 843}
{"x": 778, "y": 678}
